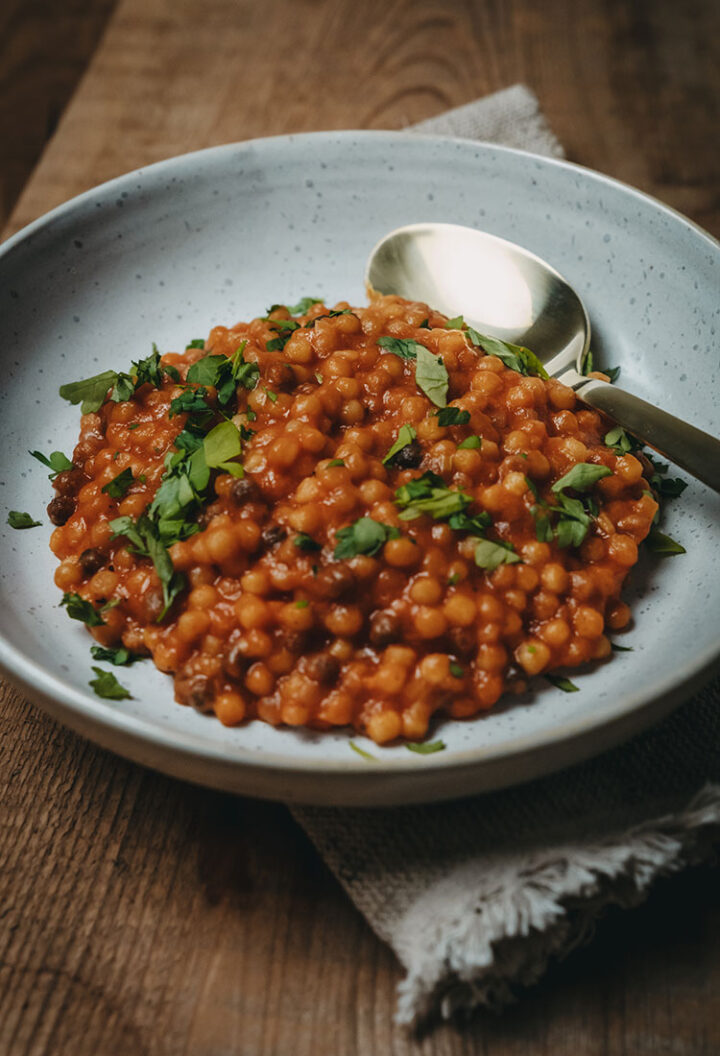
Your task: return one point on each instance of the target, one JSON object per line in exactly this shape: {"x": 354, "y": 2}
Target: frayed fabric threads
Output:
{"x": 490, "y": 928}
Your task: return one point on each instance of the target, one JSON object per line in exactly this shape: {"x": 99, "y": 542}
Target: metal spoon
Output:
{"x": 505, "y": 291}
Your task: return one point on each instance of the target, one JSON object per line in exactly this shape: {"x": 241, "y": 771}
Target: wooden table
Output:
{"x": 142, "y": 916}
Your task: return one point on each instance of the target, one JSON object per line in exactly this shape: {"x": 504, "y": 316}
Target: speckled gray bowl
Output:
{"x": 163, "y": 254}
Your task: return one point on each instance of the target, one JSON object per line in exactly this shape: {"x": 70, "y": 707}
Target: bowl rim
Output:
{"x": 79, "y": 710}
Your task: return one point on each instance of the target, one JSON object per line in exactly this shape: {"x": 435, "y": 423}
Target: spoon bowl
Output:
{"x": 505, "y": 291}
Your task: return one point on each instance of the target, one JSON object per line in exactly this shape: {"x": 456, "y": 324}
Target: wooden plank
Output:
{"x": 44, "y": 49}
{"x": 139, "y": 915}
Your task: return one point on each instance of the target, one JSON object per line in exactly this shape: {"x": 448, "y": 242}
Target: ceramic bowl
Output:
{"x": 164, "y": 253}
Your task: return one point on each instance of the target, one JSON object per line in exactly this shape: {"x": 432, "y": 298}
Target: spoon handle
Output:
{"x": 692, "y": 449}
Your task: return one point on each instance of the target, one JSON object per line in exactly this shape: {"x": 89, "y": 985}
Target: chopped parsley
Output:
{"x": 272, "y": 396}
{"x": 197, "y": 342}
{"x": 364, "y": 536}
{"x": 107, "y": 686}
{"x": 569, "y": 520}
{"x": 303, "y": 305}
{"x": 430, "y": 373}
{"x": 90, "y": 393}
{"x": 513, "y": 356}
{"x": 455, "y": 324}
{"x": 361, "y": 751}
{"x": 621, "y": 648}
{"x": 80, "y": 609}
{"x": 663, "y": 545}
{"x": 490, "y": 555}
{"x": 335, "y": 462}
{"x": 452, "y": 416}
{"x": 145, "y": 540}
{"x": 118, "y": 486}
{"x": 57, "y": 462}
{"x": 456, "y": 670}
{"x": 475, "y": 525}
{"x": 429, "y": 494}
{"x": 470, "y": 443}
{"x": 221, "y": 445}
{"x": 190, "y": 401}
{"x": 406, "y": 435}
{"x": 581, "y": 477}
{"x": 425, "y": 747}
{"x": 403, "y": 347}
{"x": 19, "y": 519}
{"x": 620, "y": 442}
{"x": 562, "y": 683}
{"x": 121, "y": 656}
{"x": 431, "y": 376}
{"x": 303, "y": 541}
{"x": 284, "y": 328}
{"x": 225, "y": 374}
{"x": 328, "y": 315}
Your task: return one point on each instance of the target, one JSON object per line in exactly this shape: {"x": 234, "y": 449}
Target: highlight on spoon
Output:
{"x": 500, "y": 288}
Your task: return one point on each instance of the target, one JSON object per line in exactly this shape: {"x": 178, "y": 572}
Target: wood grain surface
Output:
{"x": 143, "y": 917}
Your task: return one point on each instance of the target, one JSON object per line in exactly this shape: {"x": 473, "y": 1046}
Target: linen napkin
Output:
{"x": 477, "y": 896}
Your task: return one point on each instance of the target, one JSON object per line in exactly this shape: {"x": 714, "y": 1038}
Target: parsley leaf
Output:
{"x": 144, "y": 535}
{"x": 57, "y": 462}
{"x": 425, "y": 747}
{"x": 457, "y": 323}
{"x": 149, "y": 371}
{"x": 190, "y": 401}
{"x": 361, "y": 751}
{"x": 225, "y": 373}
{"x": 19, "y": 519}
{"x": 197, "y": 342}
{"x": 272, "y": 396}
{"x": 663, "y": 545}
{"x": 329, "y": 315}
{"x": 430, "y": 372}
{"x": 121, "y": 656}
{"x": 428, "y": 494}
{"x": 619, "y": 441}
{"x": 118, "y": 486}
{"x": 403, "y": 347}
{"x": 432, "y": 377}
{"x": 303, "y": 305}
{"x": 303, "y": 541}
{"x": 80, "y": 609}
{"x": 107, "y": 686}
{"x": 489, "y": 555}
{"x": 562, "y": 683}
{"x": 364, "y": 536}
{"x": 513, "y": 356}
{"x": 90, "y": 392}
{"x": 470, "y": 443}
{"x": 476, "y": 525}
{"x": 452, "y": 416}
{"x": 581, "y": 477}
{"x": 205, "y": 371}
{"x": 222, "y": 444}
{"x": 406, "y": 435}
